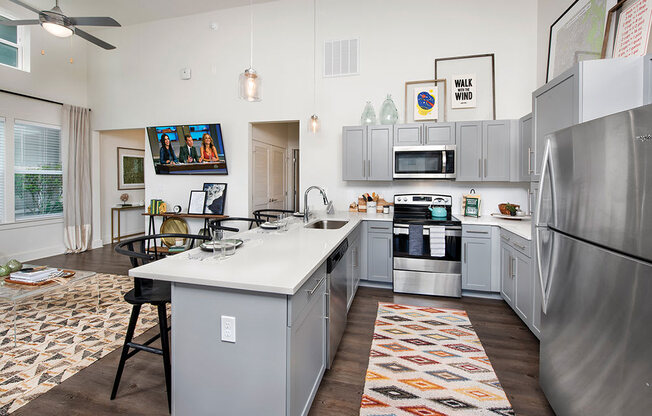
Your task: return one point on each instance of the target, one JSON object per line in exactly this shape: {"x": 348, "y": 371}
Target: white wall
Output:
{"x": 131, "y": 221}
{"x": 138, "y": 84}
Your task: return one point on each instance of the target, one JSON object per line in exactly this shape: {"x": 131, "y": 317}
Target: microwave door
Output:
{"x": 419, "y": 163}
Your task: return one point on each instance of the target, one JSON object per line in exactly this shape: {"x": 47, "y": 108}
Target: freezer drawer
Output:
{"x": 595, "y": 341}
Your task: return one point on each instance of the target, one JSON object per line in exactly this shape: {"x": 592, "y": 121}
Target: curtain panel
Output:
{"x": 77, "y": 201}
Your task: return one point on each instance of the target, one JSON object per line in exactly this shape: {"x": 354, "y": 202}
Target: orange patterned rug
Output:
{"x": 62, "y": 334}
{"x": 429, "y": 362}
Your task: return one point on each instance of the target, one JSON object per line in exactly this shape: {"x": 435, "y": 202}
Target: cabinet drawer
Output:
{"x": 379, "y": 227}
{"x": 518, "y": 243}
{"x": 306, "y": 295}
{"x": 476, "y": 231}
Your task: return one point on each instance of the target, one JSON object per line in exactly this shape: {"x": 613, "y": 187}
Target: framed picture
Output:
{"x": 471, "y": 81}
{"x": 131, "y": 168}
{"x": 425, "y": 100}
{"x": 215, "y": 198}
{"x": 577, "y": 35}
{"x": 627, "y": 32}
{"x": 197, "y": 202}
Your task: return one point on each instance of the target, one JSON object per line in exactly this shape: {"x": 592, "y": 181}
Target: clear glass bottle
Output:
{"x": 368, "y": 115}
{"x": 388, "y": 111}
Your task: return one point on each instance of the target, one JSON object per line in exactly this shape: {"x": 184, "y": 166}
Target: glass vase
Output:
{"x": 388, "y": 111}
{"x": 368, "y": 115}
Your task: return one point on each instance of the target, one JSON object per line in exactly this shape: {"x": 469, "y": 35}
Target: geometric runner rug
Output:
{"x": 429, "y": 362}
{"x": 62, "y": 334}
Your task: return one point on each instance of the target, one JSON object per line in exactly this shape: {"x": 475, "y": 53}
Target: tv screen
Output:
{"x": 189, "y": 149}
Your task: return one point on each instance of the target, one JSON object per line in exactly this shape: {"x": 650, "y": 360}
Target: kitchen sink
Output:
{"x": 327, "y": 224}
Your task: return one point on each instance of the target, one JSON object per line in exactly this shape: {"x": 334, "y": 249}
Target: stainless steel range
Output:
{"x": 427, "y": 246}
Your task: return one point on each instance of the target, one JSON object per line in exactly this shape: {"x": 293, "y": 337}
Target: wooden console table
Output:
{"x": 114, "y": 238}
{"x": 206, "y": 217}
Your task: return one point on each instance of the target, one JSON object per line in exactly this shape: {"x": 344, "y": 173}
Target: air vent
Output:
{"x": 341, "y": 57}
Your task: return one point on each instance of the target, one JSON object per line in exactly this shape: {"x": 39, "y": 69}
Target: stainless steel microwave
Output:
{"x": 424, "y": 162}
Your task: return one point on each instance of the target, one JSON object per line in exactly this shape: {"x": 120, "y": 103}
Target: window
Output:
{"x": 37, "y": 169}
{"x": 12, "y": 50}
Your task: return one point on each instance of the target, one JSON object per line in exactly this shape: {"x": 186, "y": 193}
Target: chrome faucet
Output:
{"x": 306, "y": 212}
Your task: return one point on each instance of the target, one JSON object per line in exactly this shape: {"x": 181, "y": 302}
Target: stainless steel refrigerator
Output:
{"x": 593, "y": 236}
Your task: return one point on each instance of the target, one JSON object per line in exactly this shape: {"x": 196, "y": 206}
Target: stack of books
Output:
{"x": 36, "y": 276}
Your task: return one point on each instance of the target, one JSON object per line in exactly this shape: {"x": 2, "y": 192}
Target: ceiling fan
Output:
{"x": 58, "y": 24}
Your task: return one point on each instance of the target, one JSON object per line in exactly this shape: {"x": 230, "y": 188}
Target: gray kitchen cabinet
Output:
{"x": 588, "y": 90}
{"x": 379, "y": 153}
{"x": 468, "y": 136}
{"x": 496, "y": 150}
{"x": 354, "y": 266}
{"x": 367, "y": 153}
{"x": 523, "y": 302}
{"x": 354, "y": 157}
{"x": 506, "y": 273}
{"x": 438, "y": 133}
{"x": 379, "y": 251}
{"x": 524, "y": 149}
{"x": 408, "y": 134}
{"x": 307, "y": 350}
{"x": 476, "y": 263}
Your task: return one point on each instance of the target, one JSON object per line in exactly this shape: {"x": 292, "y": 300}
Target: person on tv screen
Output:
{"x": 188, "y": 154}
{"x": 167, "y": 156}
{"x": 208, "y": 150}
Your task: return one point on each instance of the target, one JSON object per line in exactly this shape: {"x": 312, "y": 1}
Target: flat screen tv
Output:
{"x": 188, "y": 149}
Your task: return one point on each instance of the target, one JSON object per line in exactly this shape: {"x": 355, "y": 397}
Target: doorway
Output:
{"x": 275, "y": 165}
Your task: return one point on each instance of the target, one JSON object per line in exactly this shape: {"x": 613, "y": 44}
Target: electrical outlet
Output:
{"x": 228, "y": 328}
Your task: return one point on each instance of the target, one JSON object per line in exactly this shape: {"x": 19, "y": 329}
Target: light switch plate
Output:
{"x": 228, "y": 328}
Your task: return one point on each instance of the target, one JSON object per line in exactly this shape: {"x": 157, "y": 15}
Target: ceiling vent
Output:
{"x": 341, "y": 58}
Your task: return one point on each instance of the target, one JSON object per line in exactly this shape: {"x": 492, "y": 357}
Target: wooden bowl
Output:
{"x": 503, "y": 208}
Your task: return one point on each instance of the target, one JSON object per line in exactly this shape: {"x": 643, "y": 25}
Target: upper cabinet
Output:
{"x": 417, "y": 134}
{"x": 483, "y": 150}
{"x": 523, "y": 150}
{"x": 589, "y": 90}
{"x": 367, "y": 153}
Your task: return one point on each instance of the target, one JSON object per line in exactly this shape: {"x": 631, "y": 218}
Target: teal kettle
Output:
{"x": 438, "y": 212}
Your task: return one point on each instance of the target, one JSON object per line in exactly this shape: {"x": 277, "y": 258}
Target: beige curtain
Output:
{"x": 76, "y": 127}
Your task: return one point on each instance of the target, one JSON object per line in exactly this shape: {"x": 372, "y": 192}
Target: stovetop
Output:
{"x": 413, "y": 209}
{"x": 426, "y": 220}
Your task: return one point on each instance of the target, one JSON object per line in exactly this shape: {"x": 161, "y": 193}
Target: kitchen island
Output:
{"x": 275, "y": 288}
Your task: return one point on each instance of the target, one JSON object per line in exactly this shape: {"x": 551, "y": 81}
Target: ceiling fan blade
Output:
{"x": 19, "y": 22}
{"x": 27, "y": 6}
{"x": 93, "y": 21}
{"x": 93, "y": 39}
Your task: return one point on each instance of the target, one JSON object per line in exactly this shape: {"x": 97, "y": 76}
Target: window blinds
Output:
{"x": 38, "y": 170}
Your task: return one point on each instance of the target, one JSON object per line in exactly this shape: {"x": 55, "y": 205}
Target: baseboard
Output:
{"x": 378, "y": 285}
{"x": 27, "y": 256}
{"x": 484, "y": 295}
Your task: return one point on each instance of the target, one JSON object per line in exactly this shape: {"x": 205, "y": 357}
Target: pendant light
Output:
{"x": 313, "y": 124}
{"x": 249, "y": 81}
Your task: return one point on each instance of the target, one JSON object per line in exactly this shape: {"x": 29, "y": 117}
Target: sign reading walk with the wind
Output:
{"x": 463, "y": 91}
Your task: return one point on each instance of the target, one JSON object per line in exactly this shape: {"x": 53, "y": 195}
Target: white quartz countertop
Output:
{"x": 269, "y": 260}
{"x": 522, "y": 228}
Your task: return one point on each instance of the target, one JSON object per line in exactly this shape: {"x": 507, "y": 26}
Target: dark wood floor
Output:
{"x": 513, "y": 350}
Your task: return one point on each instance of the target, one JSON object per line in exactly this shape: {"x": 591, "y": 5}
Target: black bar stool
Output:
{"x": 252, "y": 221}
{"x": 270, "y": 214}
{"x": 148, "y": 291}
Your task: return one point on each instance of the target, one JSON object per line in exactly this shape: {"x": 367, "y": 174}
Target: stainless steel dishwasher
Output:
{"x": 337, "y": 274}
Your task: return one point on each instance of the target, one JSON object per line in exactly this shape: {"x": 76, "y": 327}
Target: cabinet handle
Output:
{"x": 312, "y": 291}
{"x": 466, "y": 248}
{"x": 510, "y": 267}
{"x": 477, "y": 232}
{"x": 485, "y": 168}
{"x": 505, "y": 238}
{"x": 368, "y": 167}
{"x": 519, "y": 246}
{"x": 511, "y": 261}
{"x": 480, "y": 167}
{"x": 529, "y": 161}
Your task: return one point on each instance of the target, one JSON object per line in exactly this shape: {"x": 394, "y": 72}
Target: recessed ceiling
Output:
{"x": 129, "y": 12}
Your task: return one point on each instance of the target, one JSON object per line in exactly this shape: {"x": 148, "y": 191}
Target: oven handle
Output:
{"x": 454, "y": 231}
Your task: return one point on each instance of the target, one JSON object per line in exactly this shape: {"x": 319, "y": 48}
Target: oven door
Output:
{"x": 424, "y": 162}
{"x": 453, "y": 237}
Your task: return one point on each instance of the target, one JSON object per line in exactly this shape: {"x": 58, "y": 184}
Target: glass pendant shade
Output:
{"x": 250, "y": 85}
{"x": 368, "y": 115}
{"x": 313, "y": 124}
{"x": 58, "y": 30}
{"x": 388, "y": 111}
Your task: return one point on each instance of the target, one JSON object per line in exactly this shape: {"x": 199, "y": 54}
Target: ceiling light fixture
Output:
{"x": 56, "y": 23}
{"x": 313, "y": 124}
{"x": 250, "y": 82}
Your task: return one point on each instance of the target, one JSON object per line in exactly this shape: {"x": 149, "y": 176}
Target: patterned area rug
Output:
{"x": 62, "y": 334}
{"x": 429, "y": 362}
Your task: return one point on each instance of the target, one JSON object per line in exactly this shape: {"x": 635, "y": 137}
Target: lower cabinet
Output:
{"x": 307, "y": 342}
{"x": 476, "y": 258}
{"x": 354, "y": 257}
{"x": 507, "y": 274}
{"x": 379, "y": 251}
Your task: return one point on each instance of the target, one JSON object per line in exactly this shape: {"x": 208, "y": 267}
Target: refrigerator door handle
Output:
{"x": 547, "y": 172}
{"x": 545, "y": 285}
{"x": 544, "y": 171}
